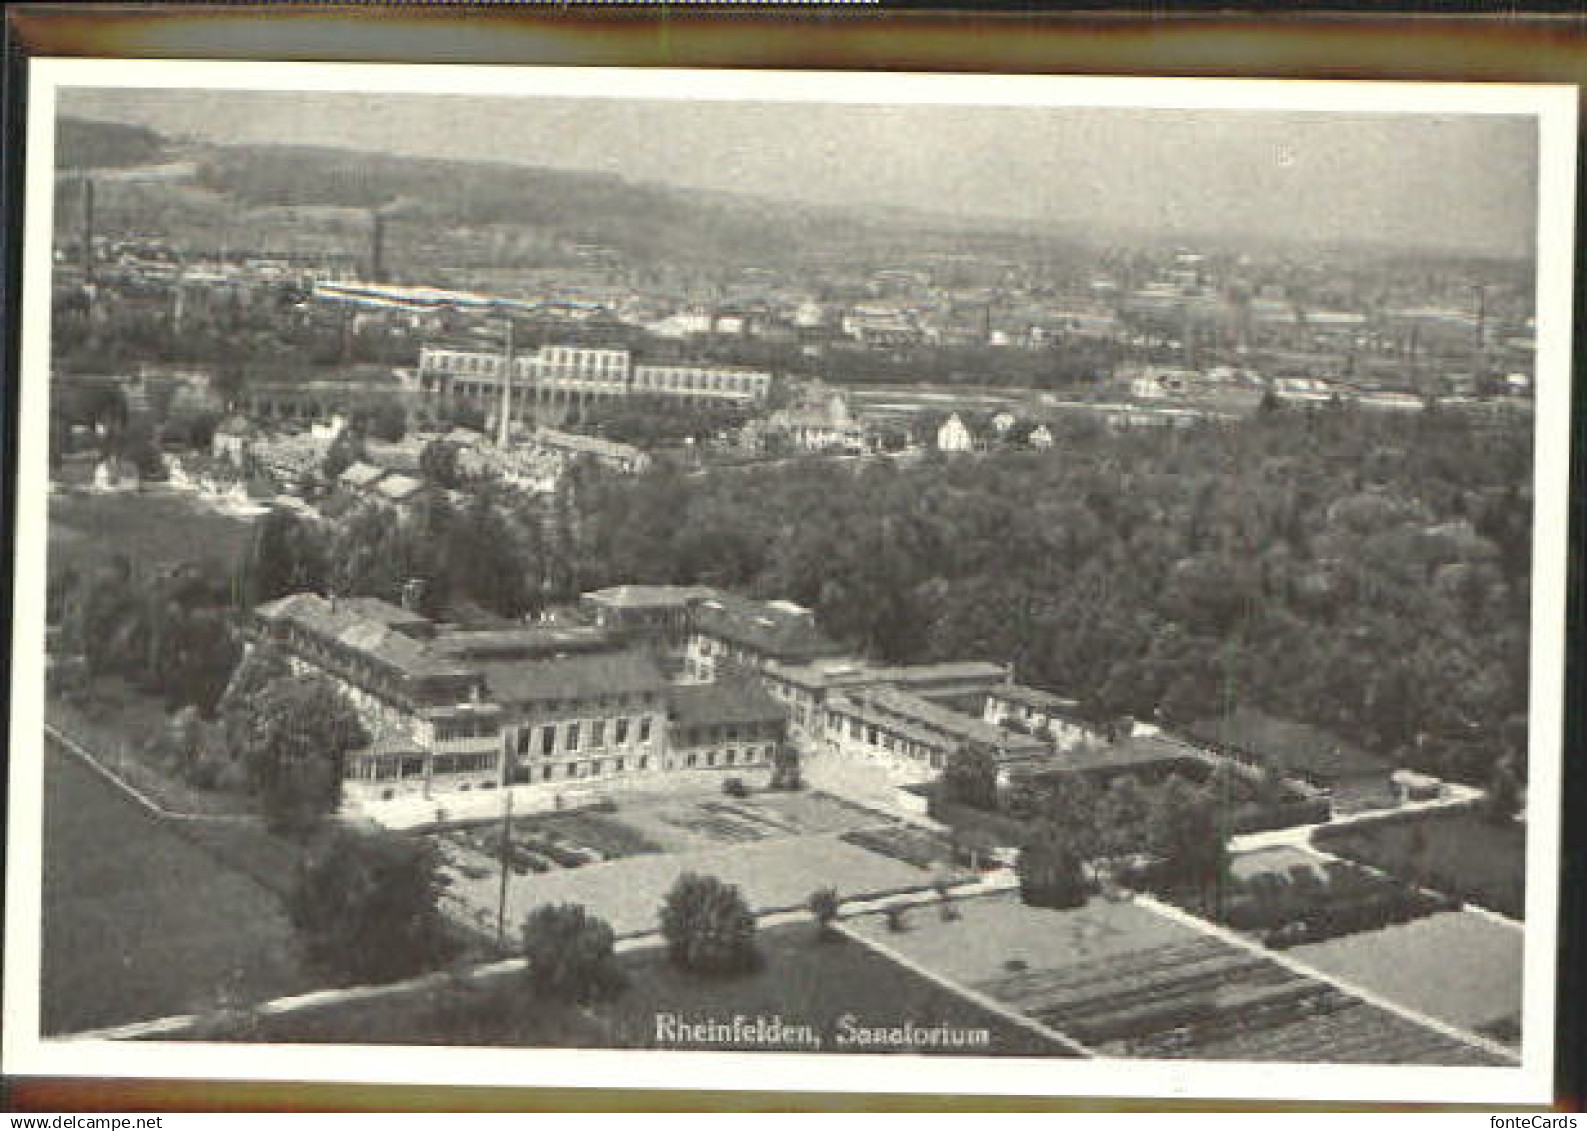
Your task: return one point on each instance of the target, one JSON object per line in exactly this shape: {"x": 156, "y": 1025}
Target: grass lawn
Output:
{"x": 140, "y": 922}
{"x": 128, "y": 731}
{"x": 997, "y": 933}
{"x": 802, "y": 981}
{"x": 1456, "y": 966}
{"x": 1464, "y": 855}
{"x": 151, "y": 528}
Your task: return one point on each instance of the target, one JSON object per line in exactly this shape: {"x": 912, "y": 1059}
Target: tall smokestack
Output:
{"x": 377, "y": 249}
{"x": 88, "y": 230}
{"x": 504, "y": 427}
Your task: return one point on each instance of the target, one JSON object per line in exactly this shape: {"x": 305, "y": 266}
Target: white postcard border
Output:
{"x": 26, "y": 1053}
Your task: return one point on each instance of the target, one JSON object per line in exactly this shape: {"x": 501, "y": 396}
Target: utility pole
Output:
{"x": 506, "y": 852}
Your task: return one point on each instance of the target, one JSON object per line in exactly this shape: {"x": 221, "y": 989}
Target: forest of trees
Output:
{"x": 1365, "y": 573}
{"x": 1368, "y": 574}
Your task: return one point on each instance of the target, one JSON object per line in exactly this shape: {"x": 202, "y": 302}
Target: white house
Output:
{"x": 1040, "y": 437}
{"x": 116, "y": 474}
{"x": 328, "y": 430}
{"x": 953, "y": 436}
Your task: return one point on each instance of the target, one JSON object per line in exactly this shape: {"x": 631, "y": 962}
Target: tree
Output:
{"x": 365, "y": 906}
{"x": 970, "y": 777}
{"x": 1187, "y": 831}
{"x": 1050, "y": 871}
{"x": 438, "y": 464}
{"x": 286, "y": 555}
{"x": 388, "y": 421}
{"x": 824, "y": 904}
{"x": 945, "y": 907}
{"x": 785, "y": 767}
{"x": 1503, "y": 797}
{"x": 708, "y": 926}
{"x": 1123, "y": 817}
{"x": 570, "y": 954}
{"x": 346, "y": 450}
{"x": 295, "y": 735}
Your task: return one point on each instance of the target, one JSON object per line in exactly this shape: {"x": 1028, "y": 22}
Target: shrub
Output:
{"x": 708, "y": 926}
{"x": 570, "y": 954}
{"x": 735, "y": 787}
{"x": 1050, "y": 873}
{"x": 824, "y": 904}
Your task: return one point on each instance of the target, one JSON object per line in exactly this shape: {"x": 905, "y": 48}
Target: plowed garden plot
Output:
{"x": 1125, "y": 981}
{"x": 685, "y": 823}
{"x": 902, "y": 842}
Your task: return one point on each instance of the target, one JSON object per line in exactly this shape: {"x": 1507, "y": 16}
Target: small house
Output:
{"x": 955, "y": 436}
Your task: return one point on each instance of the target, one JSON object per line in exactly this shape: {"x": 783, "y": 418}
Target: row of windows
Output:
{"x": 695, "y": 759}
{"x": 878, "y": 738}
{"x": 575, "y": 770}
{"x": 462, "y": 763}
{"x": 699, "y": 736}
{"x": 410, "y": 766}
{"x": 352, "y": 667}
{"x": 648, "y": 378}
{"x": 593, "y": 734}
{"x": 609, "y": 367}
{"x": 446, "y": 729}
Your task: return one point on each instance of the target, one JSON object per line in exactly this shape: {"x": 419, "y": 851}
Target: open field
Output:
{"x": 803, "y": 982}
{"x": 129, "y": 731}
{"x": 1456, "y": 966}
{"x": 153, "y": 528}
{"x": 1126, "y": 981}
{"x": 1461, "y": 854}
{"x": 138, "y": 921}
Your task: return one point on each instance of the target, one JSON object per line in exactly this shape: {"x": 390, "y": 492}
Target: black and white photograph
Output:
{"x": 915, "y": 582}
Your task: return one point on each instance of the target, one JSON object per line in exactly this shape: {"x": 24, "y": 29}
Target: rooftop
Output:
{"x": 585, "y": 445}
{"x": 576, "y": 677}
{"x": 650, "y": 596}
{"x": 370, "y": 627}
{"x": 361, "y": 474}
{"x": 889, "y": 702}
{"x": 727, "y": 701}
{"x": 766, "y": 629}
{"x": 1137, "y": 753}
{"x": 535, "y": 641}
{"x": 1033, "y": 697}
{"x": 953, "y": 672}
{"x": 1300, "y": 748}
{"x": 399, "y": 488}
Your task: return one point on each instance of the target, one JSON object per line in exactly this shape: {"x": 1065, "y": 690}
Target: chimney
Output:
{"x": 504, "y": 436}
{"x": 88, "y": 230}
{"x": 377, "y": 250}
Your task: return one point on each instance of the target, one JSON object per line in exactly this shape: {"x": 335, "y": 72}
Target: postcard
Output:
{"x": 869, "y": 582}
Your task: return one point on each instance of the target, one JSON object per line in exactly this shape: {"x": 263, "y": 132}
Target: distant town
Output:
{"x": 1021, "y": 650}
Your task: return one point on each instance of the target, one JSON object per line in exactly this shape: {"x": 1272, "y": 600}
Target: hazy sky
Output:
{"x": 1449, "y": 181}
